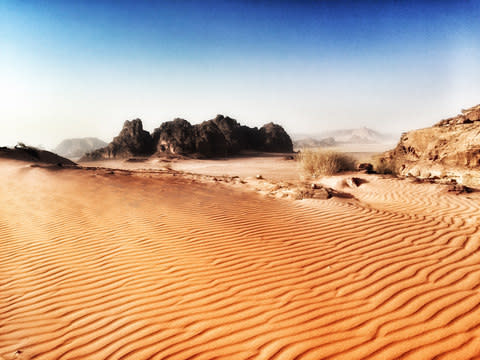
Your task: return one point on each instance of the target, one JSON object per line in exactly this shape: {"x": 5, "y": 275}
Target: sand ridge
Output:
{"x": 156, "y": 266}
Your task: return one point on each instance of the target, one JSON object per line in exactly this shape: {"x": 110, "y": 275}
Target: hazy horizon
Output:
{"x": 74, "y": 70}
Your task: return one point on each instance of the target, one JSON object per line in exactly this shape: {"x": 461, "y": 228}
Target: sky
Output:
{"x": 81, "y": 68}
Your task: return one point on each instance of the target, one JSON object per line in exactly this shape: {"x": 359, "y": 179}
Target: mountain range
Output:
{"x": 76, "y": 148}
{"x": 361, "y": 135}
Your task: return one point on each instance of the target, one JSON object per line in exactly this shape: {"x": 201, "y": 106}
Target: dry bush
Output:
{"x": 321, "y": 162}
{"x": 385, "y": 166}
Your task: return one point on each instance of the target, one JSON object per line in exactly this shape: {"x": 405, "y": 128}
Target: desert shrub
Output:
{"x": 385, "y": 166}
{"x": 321, "y": 162}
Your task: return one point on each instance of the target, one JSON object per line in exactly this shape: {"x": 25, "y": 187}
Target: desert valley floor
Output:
{"x": 98, "y": 264}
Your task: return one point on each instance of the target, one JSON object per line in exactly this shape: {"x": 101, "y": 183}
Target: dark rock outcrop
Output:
{"x": 27, "y": 153}
{"x": 219, "y": 137}
{"x": 448, "y": 150}
{"x": 209, "y": 140}
{"x": 275, "y": 138}
{"x": 132, "y": 141}
{"x": 176, "y": 137}
{"x": 366, "y": 167}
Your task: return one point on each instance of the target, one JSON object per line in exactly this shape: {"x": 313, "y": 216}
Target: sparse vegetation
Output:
{"x": 385, "y": 166}
{"x": 323, "y": 162}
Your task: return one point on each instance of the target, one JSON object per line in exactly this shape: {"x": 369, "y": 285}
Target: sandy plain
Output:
{"x": 152, "y": 264}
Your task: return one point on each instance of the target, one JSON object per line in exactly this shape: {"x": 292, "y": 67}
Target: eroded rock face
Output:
{"x": 182, "y": 138}
{"x": 132, "y": 141}
{"x": 467, "y": 116}
{"x": 177, "y": 137}
{"x": 275, "y": 138}
{"x": 450, "y": 150}
{"x": 219, "y": 137}
{"x": 209, "y": 140}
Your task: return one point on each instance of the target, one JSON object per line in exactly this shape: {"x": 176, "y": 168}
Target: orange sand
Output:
{"x": 129, "y": 266}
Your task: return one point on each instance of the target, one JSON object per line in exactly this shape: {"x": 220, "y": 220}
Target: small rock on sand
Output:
{"x": 353, "y": 182}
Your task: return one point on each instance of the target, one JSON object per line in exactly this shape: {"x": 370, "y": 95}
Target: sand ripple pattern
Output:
{"x": 130, "y": 267}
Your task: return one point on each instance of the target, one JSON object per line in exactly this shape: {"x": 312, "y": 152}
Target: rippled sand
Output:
{"x": 95, "y": 265}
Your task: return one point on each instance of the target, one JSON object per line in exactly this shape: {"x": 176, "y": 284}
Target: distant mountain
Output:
{"x": 310, "y": 142}
{"x": 362, "y": 135}
{"x": 76, "y": 148}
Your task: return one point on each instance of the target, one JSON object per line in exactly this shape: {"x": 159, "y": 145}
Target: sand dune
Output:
{"x": 95, "y": 265}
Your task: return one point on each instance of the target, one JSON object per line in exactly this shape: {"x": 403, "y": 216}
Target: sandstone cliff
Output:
{"x": 448, "y": 150}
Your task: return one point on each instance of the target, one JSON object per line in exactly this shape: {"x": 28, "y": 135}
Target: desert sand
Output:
{"x": 101, "y": 264}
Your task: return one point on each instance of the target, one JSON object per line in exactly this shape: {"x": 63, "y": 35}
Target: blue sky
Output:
{"x": 80, "y": 68}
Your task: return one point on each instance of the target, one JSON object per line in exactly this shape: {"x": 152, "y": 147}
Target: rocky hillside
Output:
{"x": 449, "y": 150}
{"x": 219, "y": 137}
{"x": 27, "y": 153}
{"x": 76, "y": 148}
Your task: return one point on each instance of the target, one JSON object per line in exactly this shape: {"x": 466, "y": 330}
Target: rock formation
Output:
{"x": 275, "y": 138}
{"x": 27, "y": 153}
{"x": 132, "y": 141}
{"x": 449, "y": 150}
{"x": 221, "y": 136}
{"x": 218, "y": 137}
{"x": 76, "y": 148}
{"x": 466, "y": 117}
{"x": 176, "y": 137}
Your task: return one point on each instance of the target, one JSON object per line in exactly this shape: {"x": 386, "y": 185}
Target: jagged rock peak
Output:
{"x": 131, "y": 141}
{"x": 218, "y": 137}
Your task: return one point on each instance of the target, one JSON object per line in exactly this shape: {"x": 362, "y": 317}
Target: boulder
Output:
{"x": 459, "y": 189}
{"x": 354, "y": 182}
{"x": 366, "y": 167}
